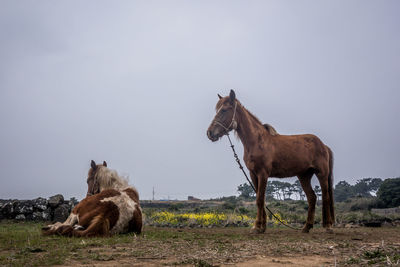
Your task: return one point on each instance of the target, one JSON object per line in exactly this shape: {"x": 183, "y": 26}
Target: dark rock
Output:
{"x": 48, "y": 214}
{"x": 56, "y": 200}
{"x": 23, "y": 207}
{"x": 35, "y": 250}
{"x": 40, "y": 204}
{"x": 73, "y": 202}
{"x": 373, "y": 224}
{"x": 20, "y": 217}
{"x": 41, "y": 215}
{"x": 1, "y": 211}
{"x": 28, "y": 217}
{"x": 8, "y": 210}
{"x": 61, "y": 213}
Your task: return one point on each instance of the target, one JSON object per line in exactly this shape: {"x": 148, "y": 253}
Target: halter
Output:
{"x": 254, "y": 189}
{"x": 233, "y": 123}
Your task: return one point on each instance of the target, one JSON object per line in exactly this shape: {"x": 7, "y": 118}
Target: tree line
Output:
{"x": 387, "y": 191}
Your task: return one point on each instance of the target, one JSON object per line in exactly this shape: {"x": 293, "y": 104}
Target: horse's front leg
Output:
{"x": 71, "y": 220}
{"x": 261, "y": 220}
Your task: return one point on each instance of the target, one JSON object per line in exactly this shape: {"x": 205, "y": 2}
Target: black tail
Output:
{"x": 330, "y": 185}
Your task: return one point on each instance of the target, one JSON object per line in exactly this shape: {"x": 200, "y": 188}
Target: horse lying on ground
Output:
{"x": 111, "y": 206}
{"x": 269, "y": 154}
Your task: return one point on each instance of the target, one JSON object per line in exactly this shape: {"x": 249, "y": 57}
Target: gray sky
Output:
{"x": 135, "y": 83}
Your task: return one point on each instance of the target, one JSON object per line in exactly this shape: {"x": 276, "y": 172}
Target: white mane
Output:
{"x": 107, "y": 179}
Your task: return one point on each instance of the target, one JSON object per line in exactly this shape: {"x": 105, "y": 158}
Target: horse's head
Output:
{"x": 225, "y": 119}
{"x": 92, "y": 181}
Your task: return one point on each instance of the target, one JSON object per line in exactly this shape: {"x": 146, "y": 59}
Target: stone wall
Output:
{"x": 389, "y": 211}
{"x": 54, "y": 209}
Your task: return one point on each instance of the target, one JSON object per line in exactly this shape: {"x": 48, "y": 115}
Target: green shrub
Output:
{"x": 363, "y": 204}
{"x": 229, "y": 206}
{"x": 389, "y": 193}
{"x": 243, "y": 210}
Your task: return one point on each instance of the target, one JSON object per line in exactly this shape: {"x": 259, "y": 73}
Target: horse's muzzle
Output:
{"x": 211, "y": 136}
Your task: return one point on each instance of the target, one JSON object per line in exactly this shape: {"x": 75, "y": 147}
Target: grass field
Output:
{"x": 21, "y": 244}
{"x": 293, "y": 211}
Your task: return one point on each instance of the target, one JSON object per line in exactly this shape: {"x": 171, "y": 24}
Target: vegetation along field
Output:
{"x": 216, "y": 233}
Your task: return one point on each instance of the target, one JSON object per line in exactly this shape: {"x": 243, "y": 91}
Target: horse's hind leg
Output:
{"x": 305, "y": 181}
{"x": 326, "y": 202}
{"x": 261, "y": 220}
{"x": 72, "y": 219}
{"x": 99, "y": 226}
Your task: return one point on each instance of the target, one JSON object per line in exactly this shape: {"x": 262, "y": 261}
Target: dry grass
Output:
{"x": 22, "y": 244}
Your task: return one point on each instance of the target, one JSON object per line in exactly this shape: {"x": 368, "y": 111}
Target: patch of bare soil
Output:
{"x": 236, "y": 247}
{"x": 262, "y": 261}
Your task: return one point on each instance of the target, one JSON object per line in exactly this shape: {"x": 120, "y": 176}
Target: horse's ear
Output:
{"x": 93, "y": 165}
{"x": 219, "y": 96}
{"x": 104, "y": 163}
{"x": 232, "y": 96}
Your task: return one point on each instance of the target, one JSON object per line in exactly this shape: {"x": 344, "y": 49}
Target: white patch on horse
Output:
{"x": 126, "y": 208}
{"x": 71, "y": 220}
{"x": 78, "y": 227}
{"x": 54, "y": 226}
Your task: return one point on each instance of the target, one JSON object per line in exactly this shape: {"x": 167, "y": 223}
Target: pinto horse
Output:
{"x": 269, "y": 154}
{"x": 111, "y": 206}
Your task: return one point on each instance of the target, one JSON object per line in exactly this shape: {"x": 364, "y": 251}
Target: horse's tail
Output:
{"x": 330, "y": 184}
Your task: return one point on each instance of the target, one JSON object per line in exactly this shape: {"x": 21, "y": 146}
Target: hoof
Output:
{"x": 306, "y": 228}
{"x": 255, "y": 230}
{"x": 45, "y": 228}
{"x": 79, "y": 227}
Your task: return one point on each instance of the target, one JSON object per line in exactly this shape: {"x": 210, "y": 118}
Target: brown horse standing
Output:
{"x": 111, "y": 206}
{"x": 268, "y": 154}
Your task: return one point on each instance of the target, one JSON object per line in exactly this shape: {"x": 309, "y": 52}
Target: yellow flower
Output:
{"x": 204, "y": 219}
{"x": 277, "y": 218}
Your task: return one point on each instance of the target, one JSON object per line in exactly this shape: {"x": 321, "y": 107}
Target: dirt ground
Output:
{"x": 236, "y": 247}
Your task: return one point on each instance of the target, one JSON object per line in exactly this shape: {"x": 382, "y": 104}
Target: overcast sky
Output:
{"x": 135, "y": 83}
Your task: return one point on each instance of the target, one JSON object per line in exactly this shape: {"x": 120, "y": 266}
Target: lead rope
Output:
{"x": 252, "y": 186}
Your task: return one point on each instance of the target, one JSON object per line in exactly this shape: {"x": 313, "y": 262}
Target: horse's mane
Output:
{"x": 270, "y": 129}
{"x": 110, "y": 179}
{"x": 251, "y": 114}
